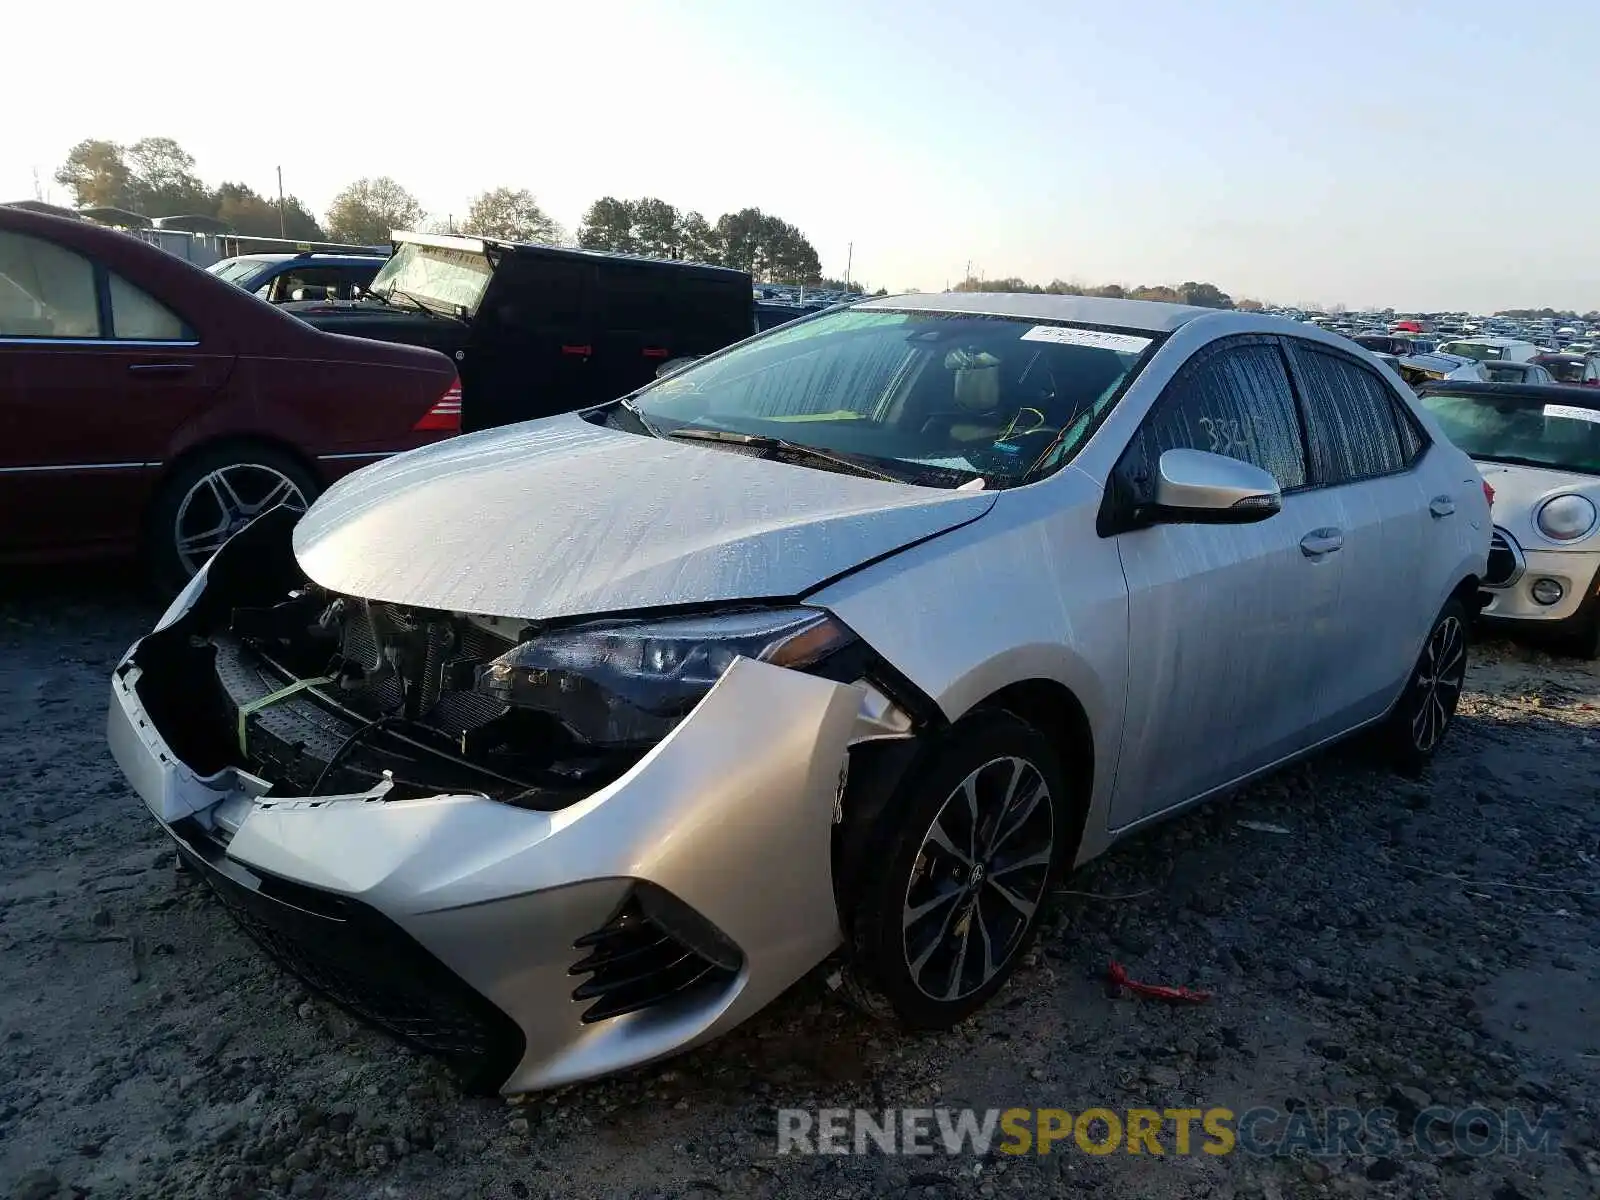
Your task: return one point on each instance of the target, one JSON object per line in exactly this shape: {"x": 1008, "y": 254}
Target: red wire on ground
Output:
{"x": 1117, "y": 977}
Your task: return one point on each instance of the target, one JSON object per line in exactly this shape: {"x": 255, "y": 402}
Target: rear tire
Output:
{"x": 1422, "y": 715}
{"x": 210, "y": 497}
{"x": 965, "y": 857}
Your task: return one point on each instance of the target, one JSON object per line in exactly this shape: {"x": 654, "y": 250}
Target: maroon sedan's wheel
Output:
{"x": 210, "y": 498}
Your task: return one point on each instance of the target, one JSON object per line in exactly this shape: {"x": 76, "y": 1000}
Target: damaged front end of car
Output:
{"x": 544, "y": 852}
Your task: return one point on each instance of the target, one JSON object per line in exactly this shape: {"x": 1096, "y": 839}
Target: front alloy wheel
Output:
{"x": 961, "y": 859}
{"x": 978, "y": 878}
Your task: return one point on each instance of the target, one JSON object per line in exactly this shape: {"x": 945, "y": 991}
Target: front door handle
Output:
{"x": 1321, "y": 542}
{"x": 1441, "y": 506}
{"x": 159, "y": 368}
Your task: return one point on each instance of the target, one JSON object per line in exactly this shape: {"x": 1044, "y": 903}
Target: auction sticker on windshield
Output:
{"x": 1122, "y": 343}
{"x": 1572, "y": 412}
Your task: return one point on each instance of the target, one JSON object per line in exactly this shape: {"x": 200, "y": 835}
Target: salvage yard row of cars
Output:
{"x": 561, "y": 746}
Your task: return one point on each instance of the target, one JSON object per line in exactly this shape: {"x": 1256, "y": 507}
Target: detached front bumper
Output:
{"x": 682, "y": 897}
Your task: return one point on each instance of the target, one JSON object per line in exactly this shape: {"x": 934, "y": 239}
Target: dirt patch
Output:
{"x": 1430, "y": 942}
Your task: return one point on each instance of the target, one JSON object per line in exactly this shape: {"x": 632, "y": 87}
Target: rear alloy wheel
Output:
{"x": 966, "y": 866}
{"x": 1424, "y": 712}
{"x": 222, "y": 502}
{"x": 212, "y": 497}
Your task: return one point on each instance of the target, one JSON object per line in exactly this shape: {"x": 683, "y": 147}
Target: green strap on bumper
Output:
{"x": 283, "y": 693}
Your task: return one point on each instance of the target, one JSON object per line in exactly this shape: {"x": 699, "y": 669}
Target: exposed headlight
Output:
{"x": 629, "y": 682}
{"x": 1565, "y": 518}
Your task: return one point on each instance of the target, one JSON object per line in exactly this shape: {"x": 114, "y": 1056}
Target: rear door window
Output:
{"x": 1351, "y": 417}
{"x": 1232, "y": 398}
{"x": 46, "y": 291}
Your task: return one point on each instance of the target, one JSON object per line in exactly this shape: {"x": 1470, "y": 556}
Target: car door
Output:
{"x": 95, "y": 374}
{"x": 1228, "y": 623}
{"x": 1363, "y": 462}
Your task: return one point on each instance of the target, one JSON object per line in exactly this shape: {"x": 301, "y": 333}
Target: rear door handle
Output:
{"x": 1441, "y": 506}
{"x": 159, "y": 368}
{"x": 1321, "y": 542}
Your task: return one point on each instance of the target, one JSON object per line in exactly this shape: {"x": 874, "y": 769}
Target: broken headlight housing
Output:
{"x": 618, "y": 683}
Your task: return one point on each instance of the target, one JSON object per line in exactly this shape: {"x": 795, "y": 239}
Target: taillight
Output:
{"x": 445, "y": 415}
{"x": 1488, "y": 493}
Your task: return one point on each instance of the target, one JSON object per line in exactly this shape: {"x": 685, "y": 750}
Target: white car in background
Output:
{"x": 1493, "y": 349}
{"x": 1538, "y": 448}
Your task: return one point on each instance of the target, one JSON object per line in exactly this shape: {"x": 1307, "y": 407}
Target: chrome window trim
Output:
{"x": 121, "y": 466}
{"x": 8, "y": 340}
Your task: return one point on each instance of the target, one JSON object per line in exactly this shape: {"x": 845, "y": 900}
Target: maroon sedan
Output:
{"x": 148, "y": 406}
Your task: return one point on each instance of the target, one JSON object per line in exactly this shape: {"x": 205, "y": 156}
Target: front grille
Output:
{"x": 633, "y": 963}
{"x": 1505, "y": 560}
{"x": 365, "y": 963}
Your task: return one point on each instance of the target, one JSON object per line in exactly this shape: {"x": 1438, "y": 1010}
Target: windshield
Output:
{"x": 945, "y": 397}
{"x": 1516, "y": 429}
{"x": 236, "y": 270}
{"x": 1478, "y": 350}
{"x": 435, "y": 277}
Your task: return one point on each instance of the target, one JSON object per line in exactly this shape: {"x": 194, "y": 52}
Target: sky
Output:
{"x": 1421, "y": 155}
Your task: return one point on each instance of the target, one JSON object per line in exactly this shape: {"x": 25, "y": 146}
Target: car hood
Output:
{"x": 1518, "y": 492}
{"x": 561, "y": 517}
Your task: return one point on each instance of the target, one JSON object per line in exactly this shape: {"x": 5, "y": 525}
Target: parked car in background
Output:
{"x": 1492, "y": 349}
{"x": 1582, "y": 369}
{"x": 1539, "y": 449}
{"x": 1516, "y": 372}
{"x": 1418, "y": 369}
{"x": 771, "y": 313}
{"x": 1386, "y": 343}
{"x": 148, "y": 405}
{"x": 279, "y": 278}
{"x": 536, "y": 330}
{"x": 611, "y": 726}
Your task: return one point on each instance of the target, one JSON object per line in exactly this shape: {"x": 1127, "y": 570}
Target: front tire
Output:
{"x": 1423, "y": 714}
{"x": 966, "y": 854}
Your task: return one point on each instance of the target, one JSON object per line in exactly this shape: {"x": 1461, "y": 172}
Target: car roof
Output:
{"x": 473, "y": 245}
{"x": 1494, "y": 341}
{"x": 1560, "y": 358}
{"x": 1533, "y": 393}
{"x": 1147, "y": 315}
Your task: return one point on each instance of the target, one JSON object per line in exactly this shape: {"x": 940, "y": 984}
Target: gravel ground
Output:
{"x": 1391, "y": 943}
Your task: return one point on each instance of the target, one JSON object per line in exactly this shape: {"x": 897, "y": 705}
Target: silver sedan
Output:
{"x": 559, "y": 748}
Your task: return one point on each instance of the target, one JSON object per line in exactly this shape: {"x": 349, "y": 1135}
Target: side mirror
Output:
{"x": 1196, "y": 486}
{"x": 675, "y": 364}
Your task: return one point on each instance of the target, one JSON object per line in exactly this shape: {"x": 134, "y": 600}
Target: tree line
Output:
{"x": 1202, "y": 295}
{"x": 155, "y": 177}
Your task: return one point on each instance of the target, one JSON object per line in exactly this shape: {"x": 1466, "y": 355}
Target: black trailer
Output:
{"x": 536, "y": 330}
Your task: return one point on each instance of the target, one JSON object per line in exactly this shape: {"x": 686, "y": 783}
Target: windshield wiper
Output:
{"x": 758, "y": 441}
{"x": 432, "y": 312}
